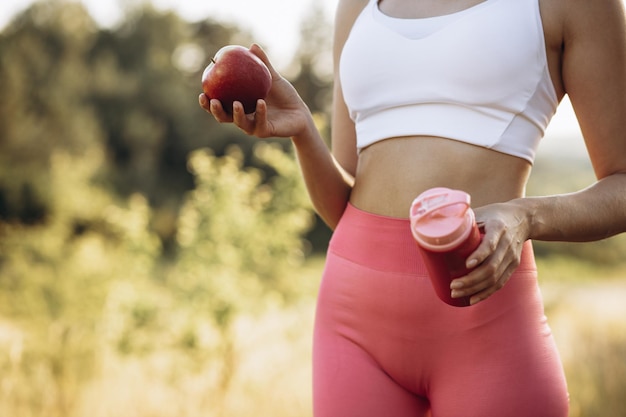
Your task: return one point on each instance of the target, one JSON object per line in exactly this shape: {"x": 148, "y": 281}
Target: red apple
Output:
{"x": 236, "y": 74}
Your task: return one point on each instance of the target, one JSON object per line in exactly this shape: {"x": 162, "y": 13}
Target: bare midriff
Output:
{"x": 392, "y": 172}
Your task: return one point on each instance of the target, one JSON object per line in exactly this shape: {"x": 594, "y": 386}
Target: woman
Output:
{"x": 435, "y": 93}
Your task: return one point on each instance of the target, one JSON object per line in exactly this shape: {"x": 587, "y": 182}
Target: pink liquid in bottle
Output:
{"x": 444, "y": 226}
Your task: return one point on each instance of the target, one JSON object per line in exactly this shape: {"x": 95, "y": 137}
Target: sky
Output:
{"x": 275, "y": 25}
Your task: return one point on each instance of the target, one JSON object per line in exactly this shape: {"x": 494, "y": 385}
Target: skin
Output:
{"x": 586, "y": 51}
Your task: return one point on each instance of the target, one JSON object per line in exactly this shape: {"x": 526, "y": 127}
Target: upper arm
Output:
{"x": 343, "y": 135}
{"x": 594, "y": 77}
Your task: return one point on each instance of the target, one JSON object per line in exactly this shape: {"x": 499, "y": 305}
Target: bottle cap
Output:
{"x": 441, "y": 218}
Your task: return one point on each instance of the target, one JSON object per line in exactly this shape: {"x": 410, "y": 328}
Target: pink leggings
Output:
{"x": 385, "y": 345}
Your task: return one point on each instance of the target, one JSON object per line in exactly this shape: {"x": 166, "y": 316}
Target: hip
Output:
{"x": 375, "y": 275}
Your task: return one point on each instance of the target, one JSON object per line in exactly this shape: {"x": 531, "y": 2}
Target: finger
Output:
{"x": 217, "y": 110}
{"x": 240, "y": 118}
{"x": 262, "y": 124}
{"x": 482, "y": 276}
{"x": 204, "y": 102}
{"x": 483, "y": 295}
{"x": 490, "y": 273}
{"x": 487, "y": 247}
{"x": 476, "y": 281}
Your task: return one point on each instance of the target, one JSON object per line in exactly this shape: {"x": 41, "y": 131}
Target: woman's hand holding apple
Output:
{"x": 282, "y": 113}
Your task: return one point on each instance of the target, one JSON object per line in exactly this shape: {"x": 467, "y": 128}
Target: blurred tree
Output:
{"x": 44, "y": 86}
{"x": 311, "y": 70}
{"x": 145, "y": 87}
{"x": 311, "y": 73}
{"x": 69, "y": 85}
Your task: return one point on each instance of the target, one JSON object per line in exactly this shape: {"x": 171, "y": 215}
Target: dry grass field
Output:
{"x": 271, "y": 371}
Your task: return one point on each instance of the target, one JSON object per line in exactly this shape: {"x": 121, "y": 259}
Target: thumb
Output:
{"x": 258, "y": 51}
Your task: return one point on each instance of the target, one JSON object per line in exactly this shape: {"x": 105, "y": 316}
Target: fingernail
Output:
{"x": 474, "y": 300}
{"x": 472, "y": 263}
{"x": 455, "y": 294}
{"x": 455, "y": 285}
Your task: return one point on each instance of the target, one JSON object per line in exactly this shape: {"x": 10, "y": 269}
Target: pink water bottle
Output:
{"x": 444, "y": 226}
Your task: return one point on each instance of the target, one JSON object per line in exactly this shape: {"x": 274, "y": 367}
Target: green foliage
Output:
{"x": 131, "y": 90}
{"x": 92, "y": 279}
{"x": 232, "y": 222}
{"x": 43, "y": 89}
{"x": 54, "y": 282}
{"x": 96, "y": 129}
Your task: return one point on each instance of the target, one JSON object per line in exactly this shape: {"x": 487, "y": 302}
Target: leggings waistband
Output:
{"x": 386, "y": 243}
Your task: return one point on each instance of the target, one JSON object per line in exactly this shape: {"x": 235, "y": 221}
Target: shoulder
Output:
{"x": 348, "y": 10}
{"x": 346, "y": 14}
{"x": 580, "y": 11}
{"x": 575, "y": 18}
{"x": 589, "y": 19}
{"x": 581, "y": 29}
{"x": 594, "y": 37}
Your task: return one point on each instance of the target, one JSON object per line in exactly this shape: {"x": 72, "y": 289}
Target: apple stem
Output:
{"x": 213, "y": 61}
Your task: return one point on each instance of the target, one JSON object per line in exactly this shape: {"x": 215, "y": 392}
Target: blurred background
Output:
{"x": 154, "y": 263}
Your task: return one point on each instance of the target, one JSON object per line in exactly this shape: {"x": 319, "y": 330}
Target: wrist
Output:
{"x": 526, "y": 215}
{"x": 308, "y": 130}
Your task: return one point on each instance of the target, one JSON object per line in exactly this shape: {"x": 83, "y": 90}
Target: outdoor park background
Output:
{"x": 154, "y": 263}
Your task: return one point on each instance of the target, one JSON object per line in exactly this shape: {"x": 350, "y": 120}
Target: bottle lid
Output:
{"x": 441, "y": 218}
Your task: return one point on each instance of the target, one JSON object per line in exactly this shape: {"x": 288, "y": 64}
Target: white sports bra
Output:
{"x": 478, "y": 76}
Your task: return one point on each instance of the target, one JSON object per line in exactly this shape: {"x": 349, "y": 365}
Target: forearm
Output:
{"x": 328, "y": 184}
{"x": 594, "y": 213}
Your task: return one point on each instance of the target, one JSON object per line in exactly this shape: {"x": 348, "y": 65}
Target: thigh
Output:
{"x": 507, "y": 366}
{"x": 504, "y": 386}
{"x": 347, "y": 379}
{"x": 348, "y": 383}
